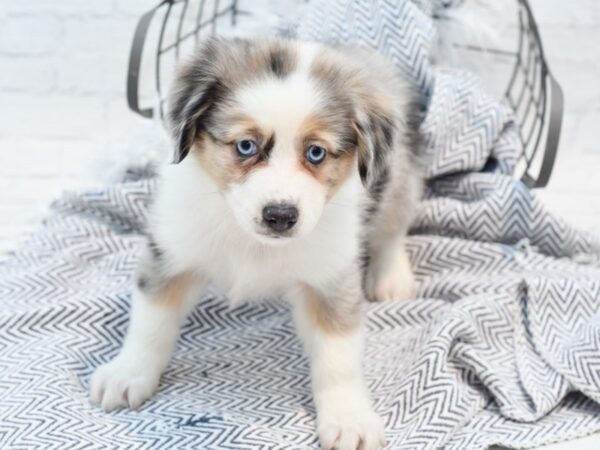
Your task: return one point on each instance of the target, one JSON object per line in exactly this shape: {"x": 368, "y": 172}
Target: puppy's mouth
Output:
{"x": 268, "y": 236}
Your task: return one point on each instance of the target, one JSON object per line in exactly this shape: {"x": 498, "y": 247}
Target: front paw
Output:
{"x": 352, "y": 430}
{"x": 123, "y": 382}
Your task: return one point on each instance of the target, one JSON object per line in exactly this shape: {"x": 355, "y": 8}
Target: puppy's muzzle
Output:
{"x": 280, "y": 217}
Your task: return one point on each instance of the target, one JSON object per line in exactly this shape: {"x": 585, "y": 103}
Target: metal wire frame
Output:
{"x": 141, "y": 35}
{"x": 536, "y": 100}
{"x": 532, "y": 92}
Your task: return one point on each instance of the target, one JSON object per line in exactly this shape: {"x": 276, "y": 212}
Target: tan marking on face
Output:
{"x": 173, "y": 292}
{"x": 338, "y": 163}
{"x": 222, "y": 164}
{"x": 215, "y": 159}
{"x": 336, "y": 316}
{"x": 332, "y": 172}
{"x": 220, "y": 159}
{"x": 314, "y": 130}
{"x": 329, "y": 128}
{"x": 241, "y": 126}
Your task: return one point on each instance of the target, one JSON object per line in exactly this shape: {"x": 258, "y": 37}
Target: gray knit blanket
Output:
{"x": 501, "y": 345}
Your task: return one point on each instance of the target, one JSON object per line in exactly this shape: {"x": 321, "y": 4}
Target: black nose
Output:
{"x": 280, "y": 217}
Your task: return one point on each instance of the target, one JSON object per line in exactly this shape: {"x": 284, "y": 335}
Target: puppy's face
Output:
{"x": 273, "y": 124}
{"x": 277, "y": 155}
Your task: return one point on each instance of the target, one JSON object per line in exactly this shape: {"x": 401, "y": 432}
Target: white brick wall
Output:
{"x": 67, "y": 7}
{"x": 18, "y": 39}
{"x": 62, "y": 92}
{"x": 571, "y": 35}
{"x": 62, "y": 97}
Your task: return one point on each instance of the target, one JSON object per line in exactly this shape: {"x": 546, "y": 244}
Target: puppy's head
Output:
{"x": 279, "y": 126}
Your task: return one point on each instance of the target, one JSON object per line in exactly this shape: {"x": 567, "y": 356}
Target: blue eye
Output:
{"x": 315, "y": 154}
{"x": 246, "y": 147}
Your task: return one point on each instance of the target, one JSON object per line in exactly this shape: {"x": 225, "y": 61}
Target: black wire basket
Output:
{"x": 174, "y": 27}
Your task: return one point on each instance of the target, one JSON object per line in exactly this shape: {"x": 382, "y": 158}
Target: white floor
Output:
{"x": 29, "y": 178}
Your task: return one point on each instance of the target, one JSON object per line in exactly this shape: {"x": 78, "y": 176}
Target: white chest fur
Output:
{"x": 192, "y": 219}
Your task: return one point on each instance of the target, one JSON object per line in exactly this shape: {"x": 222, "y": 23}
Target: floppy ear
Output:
{"x": 196, "y": 89}
{"x": 376, "y": 134}
{"x": 381, "y": 127}
{"x": 186, "y": 118}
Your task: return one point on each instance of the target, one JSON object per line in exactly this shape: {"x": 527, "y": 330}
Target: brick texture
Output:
{"x": 63, "y": 70}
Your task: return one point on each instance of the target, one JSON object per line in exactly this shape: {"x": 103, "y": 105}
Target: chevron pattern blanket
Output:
{"x": 502, "y": 345}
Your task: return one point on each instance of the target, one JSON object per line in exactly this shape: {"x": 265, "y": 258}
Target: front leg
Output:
{"x": 389, "y": 275}
{"x": 159, "y": 305}
{"x": 330, "y": 325}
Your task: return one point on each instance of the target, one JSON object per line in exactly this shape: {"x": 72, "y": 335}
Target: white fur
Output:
{"x": 153, "y": 331}
{"x": 237, "y": 262}
{"x": 345, "y": 416}
{"x": 217, "y": 234}
{"x": 281, "y": 181}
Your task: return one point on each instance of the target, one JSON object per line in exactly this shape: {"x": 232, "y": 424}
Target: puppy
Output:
{"x": 296, "y": 177}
